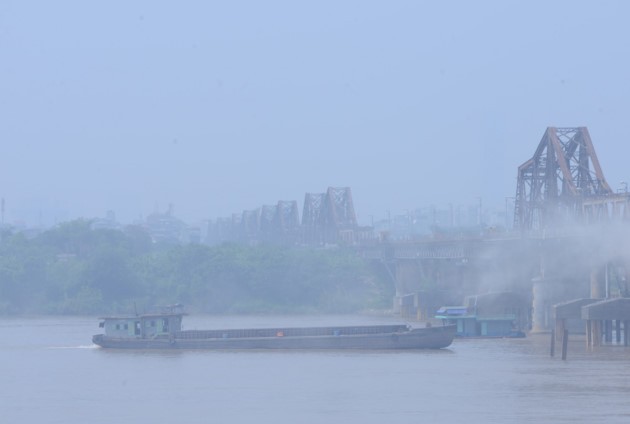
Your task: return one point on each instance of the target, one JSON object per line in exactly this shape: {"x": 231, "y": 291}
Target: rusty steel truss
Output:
{"x": 563, "y": 184}
{"x": 327, "y": 218}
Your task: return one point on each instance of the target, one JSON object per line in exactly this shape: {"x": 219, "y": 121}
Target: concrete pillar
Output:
{"x": 397, "y": 304}
{"x": 618, "y": 331}
{"x": 560, "y": 327}
{"x": 540, "y": 305}
{"x": 407, "y": 275}
{"x": 596, "y": 338}
{"x": 598, "y": 286}
{"x": 595, "y": 335}
{"x": 608, "y": 331}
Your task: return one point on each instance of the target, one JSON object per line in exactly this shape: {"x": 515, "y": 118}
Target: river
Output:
{"x": 51, "y": 373}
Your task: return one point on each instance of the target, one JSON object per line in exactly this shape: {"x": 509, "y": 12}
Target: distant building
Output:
{"x": 451, "y": 222}
{"x": 166, "y": 228}
{"x": 107, "y": 223}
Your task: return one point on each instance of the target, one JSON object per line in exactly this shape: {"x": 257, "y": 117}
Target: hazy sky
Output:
{"x": 223, "y": 106}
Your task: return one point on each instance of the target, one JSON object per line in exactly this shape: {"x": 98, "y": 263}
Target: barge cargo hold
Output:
{"x": 163, "y": 331}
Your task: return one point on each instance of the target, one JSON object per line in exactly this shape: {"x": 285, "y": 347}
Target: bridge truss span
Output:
{"x": 563, "y": 184}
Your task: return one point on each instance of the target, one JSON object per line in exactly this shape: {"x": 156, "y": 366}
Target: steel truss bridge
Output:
{"x": 328, "y": 218}
{"x": 559, "y": 189}
{"x": 563, "y": 184}
{"x": 570, "y": 231}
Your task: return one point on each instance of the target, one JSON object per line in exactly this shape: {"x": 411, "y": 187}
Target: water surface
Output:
{"x": 51, "y": 373}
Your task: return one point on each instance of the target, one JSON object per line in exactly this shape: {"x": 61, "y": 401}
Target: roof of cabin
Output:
{"x": 618, "y": 308}
{"x": 143, "y": 316}
{"x": 572, "y": 308}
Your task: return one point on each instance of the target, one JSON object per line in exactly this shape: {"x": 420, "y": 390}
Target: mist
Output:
{"x": 220, "y": 108}
{"x": 139, "y": 139}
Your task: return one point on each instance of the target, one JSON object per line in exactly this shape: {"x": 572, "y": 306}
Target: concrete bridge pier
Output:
{"x": 547, "y": 292}
{"x": 541, "y": 304}
{"x": 598, "y": 283}
{"x": 423, "y": 286}
{"x": 407, "y": 276}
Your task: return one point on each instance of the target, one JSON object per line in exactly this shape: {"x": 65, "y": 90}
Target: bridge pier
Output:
{"x": 423, "y": 286}
{"x": 547, "y": 292}
{"x": 408, "y": 275}
{"x": 427, "y": 275}
{"x": 541, "y": 302}
{"x": 598, "y": 284}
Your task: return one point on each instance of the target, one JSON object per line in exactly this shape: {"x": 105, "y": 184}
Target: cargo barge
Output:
{"x": 164, "y": 331}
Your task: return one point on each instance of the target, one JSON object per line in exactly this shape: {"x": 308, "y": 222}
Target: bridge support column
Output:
{"x": 408, "y": 277}
{"x": 598, "y": 288}
{"x": 541, "y": 304}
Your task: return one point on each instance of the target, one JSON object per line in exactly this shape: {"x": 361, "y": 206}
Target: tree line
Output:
{"x": 74, "y": 269}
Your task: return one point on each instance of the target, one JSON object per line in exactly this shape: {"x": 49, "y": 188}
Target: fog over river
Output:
{"x": 51, "y": 373}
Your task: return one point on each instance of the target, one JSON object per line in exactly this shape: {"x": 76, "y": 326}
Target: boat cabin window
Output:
{"x": 126, "y": 326}
{"x": 117, "y": 326}
{"x": 165, "y": 325}
{"x": 137, "y": 329}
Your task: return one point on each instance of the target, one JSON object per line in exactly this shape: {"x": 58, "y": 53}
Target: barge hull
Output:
{"x": 421, "y": 338}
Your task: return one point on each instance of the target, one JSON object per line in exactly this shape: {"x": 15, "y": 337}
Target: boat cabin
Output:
{"x": 488, "y": 315}
{"x": 142, "y": 326}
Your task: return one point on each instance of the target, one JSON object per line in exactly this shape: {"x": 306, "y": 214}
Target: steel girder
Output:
{"x": 314, "y": 211}
{"x": 287, "y": 217}
{"x": 327, "y": 218}
{"x": 333, "y": 209}
{"x": 341, "y": 208}
{"x": 250, "y": 224}
{"x": 267, "y": 218}
{"x": 553, "y": 185}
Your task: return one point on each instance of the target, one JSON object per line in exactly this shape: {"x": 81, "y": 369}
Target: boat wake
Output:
{"x": 92, "y": 346}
